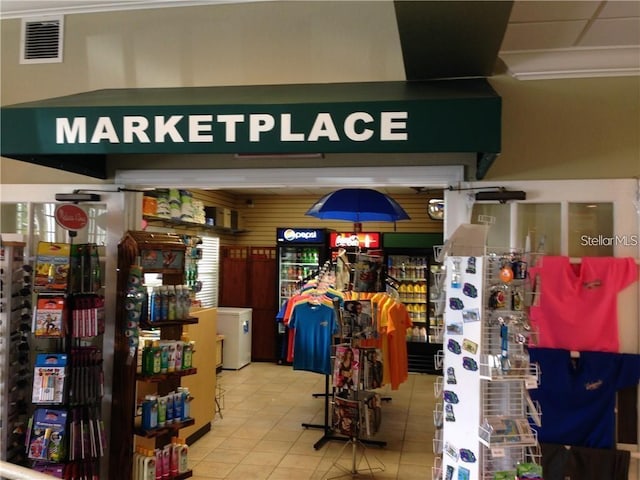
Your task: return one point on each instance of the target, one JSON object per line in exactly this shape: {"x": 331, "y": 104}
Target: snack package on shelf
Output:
{"x": 87, "y": 316}
{"x": 49, "y": 378}
{"x": 47, "y": 438}
{"x": 49, "y": 316}
{"x": 52, "y": 266}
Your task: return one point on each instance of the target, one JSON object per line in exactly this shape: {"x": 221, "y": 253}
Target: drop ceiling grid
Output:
{"x": 540, "y": 25}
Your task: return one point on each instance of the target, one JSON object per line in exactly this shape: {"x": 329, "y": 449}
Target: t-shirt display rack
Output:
{"x": 299, "y": 321}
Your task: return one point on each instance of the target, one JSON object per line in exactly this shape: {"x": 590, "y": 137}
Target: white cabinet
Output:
{"x": 235, "y": 325}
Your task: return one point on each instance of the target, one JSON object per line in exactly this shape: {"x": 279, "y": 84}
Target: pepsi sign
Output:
{"x": 300, "y": 235}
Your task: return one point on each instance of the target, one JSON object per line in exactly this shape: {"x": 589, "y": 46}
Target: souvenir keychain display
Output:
{"x": 504, "y": 348}
{"x": 486, "y": 365}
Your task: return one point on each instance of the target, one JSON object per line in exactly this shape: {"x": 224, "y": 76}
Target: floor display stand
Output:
{"x": 15, "y": 327}
{"x": 352, "y": 470}
{"x": 66, "y": 436}
{"x": 485, "y": 407}
{"x": 356, "y": 412}
{"x": 154, "y": 390}
{"x": 326, "y": 426}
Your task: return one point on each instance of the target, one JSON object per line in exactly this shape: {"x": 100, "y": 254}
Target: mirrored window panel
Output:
{"x": 498, "y": 217}
{"x": 591, "y": 230}
{"x": 538, "y": 228}
{"x": 14, "y": 218}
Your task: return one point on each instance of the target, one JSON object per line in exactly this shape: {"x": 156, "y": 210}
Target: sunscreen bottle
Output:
{"x": 183, "y": 460}
{"x": 149, "y": 466}
{"x": 175, "y": 455}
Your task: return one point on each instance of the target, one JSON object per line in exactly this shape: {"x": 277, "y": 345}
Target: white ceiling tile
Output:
{"x": 543, "y": 35}
{"x": 611, "y": 32}
{"x": 621, "y": 9}
{"x": 527, "y": 11}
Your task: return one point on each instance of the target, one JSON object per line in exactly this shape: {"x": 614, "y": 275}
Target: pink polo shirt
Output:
{"x": 578, "y": 302}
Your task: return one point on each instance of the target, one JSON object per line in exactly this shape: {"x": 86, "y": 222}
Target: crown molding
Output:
{"x": 27, "y": 9}
{"x": 573, "y": 62}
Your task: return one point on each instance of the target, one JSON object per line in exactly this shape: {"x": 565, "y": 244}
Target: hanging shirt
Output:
{"x": 577, "y": 396}
{"x": 281, "y": 312}
{"x": 310, "y": 294}
{"x": 560, "y": 462}
{"x": 578, "y": 303}
{"x": 314, "y": 326}
{"x": 399, "y": 321}
{"x": 343, "y": 272}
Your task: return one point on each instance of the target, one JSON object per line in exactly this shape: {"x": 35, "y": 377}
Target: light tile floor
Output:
{"x": 261, "y": 435}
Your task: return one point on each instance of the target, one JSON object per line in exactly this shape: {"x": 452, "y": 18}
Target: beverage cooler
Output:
{"x": 409, "y": 259}
{"x": 301, "y": 252}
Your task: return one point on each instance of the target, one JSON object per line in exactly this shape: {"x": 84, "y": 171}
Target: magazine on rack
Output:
{"x": 367, "y": 276}
{"x": 346, "y": 370}
{"x": 372, "y": 363}
{"x": 346, "y": 416}
{"x": 358, "y": 320}
{"x": 498, "y": 429}
{"x": 372, "y": 414}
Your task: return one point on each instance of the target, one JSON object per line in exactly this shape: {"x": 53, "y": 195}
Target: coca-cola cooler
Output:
{"x": 410, "y": 261}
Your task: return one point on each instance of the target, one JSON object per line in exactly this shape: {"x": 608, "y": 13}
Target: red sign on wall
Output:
{"x": 361, "y": 239}
{"x": 71, "y": 217}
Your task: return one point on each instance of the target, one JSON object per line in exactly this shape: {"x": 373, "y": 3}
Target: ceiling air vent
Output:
{"x": 42, "y": 40}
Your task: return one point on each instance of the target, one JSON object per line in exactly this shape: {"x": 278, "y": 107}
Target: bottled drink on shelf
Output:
{"x": 411, "y": 292}
{"x": 171, "y": 312}
{"x": 402, "y": 292}
{"x": 164, "y": 303}
{"x": 423, "y": 312}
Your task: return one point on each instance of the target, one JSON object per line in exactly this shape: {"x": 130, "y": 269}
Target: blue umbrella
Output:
{"x": 358, "y": 205}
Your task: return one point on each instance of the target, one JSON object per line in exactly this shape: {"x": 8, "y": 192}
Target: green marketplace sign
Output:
{"x": 376, "y": 117}
{"x": 232, "y": 130}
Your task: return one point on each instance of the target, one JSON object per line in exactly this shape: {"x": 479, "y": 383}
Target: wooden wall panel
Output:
{"x": 234, "y": 271}
{"x": 280, "y": 210}
{"x": 270, "y": 212}
{"x": 217, "y": 198}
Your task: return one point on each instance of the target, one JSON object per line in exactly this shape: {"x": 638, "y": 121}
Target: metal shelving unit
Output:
{"x": 505, "y": 372}
{"x": 486, "y": 409}
{"x": 15, "y": 376}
